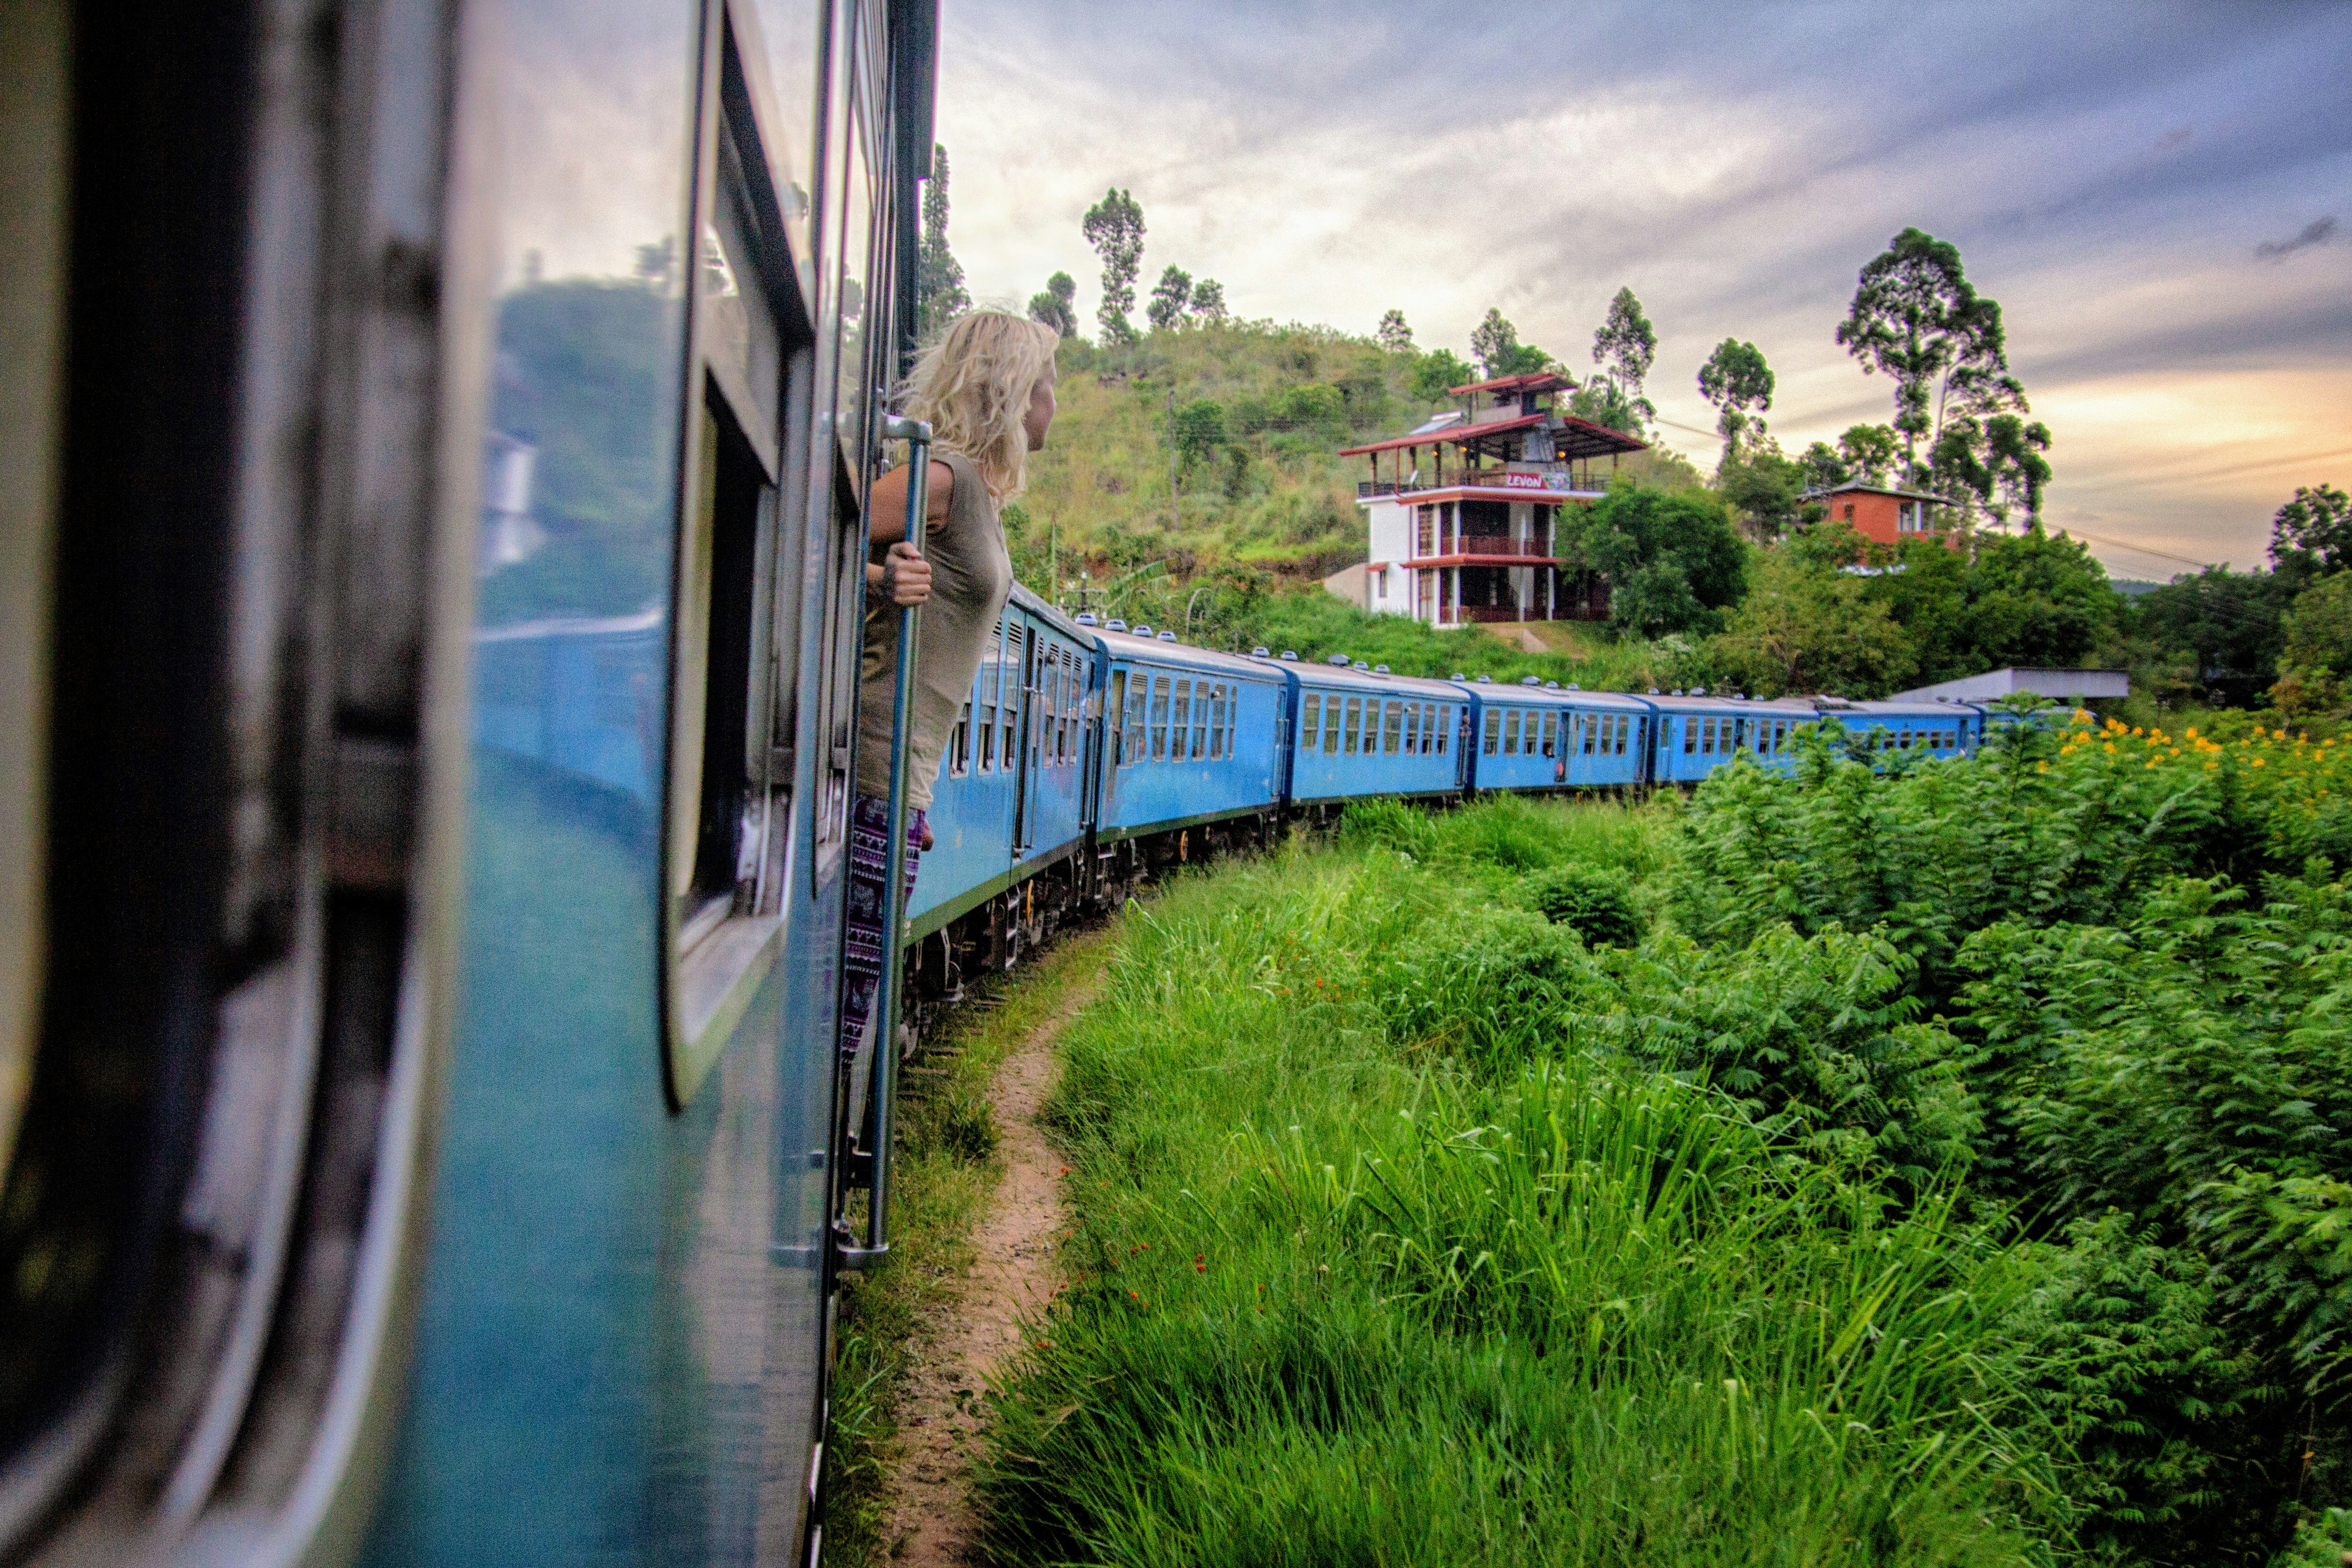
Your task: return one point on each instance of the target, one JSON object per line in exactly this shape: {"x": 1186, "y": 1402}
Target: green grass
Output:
{"x": 1349, "y": 1298}
{"x": 945, "y": 1170}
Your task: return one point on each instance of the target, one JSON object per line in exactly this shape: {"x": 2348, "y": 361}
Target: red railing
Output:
{"x": 1486, "y": 544}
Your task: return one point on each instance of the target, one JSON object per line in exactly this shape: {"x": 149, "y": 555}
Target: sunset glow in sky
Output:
{"x": 2147, "y": 190}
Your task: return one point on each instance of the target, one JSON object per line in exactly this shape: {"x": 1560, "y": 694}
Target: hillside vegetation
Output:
{"x": 1933, "y": 1163}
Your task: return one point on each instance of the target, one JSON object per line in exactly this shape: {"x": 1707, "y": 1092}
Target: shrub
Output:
{"x": 1599, "y": 903}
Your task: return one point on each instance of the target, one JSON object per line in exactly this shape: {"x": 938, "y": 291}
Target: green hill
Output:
{"x": 1263, "y": 505}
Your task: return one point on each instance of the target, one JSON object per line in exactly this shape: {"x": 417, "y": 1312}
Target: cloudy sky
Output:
{"x": 2158, "y": 194}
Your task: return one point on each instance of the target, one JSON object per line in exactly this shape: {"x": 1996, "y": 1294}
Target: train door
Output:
{"x": 1022, "y": 656}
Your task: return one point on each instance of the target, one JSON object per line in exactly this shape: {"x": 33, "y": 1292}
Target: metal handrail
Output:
{"x": 888, "y": 986}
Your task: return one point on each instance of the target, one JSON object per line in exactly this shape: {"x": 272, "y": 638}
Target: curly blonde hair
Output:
{"x": 972, "y": 387}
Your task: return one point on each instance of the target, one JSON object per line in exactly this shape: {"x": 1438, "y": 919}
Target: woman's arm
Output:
{"x": 887, "y": 503}
{"x": 900, "y": 574}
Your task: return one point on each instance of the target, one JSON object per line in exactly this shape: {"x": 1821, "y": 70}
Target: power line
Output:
{"x": 2144, "y": 549}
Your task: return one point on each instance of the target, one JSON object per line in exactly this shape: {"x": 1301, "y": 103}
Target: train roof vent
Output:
{"x": 1114, "y": 625}
{"x": 1260, "y": 651}
{"x": 1653, "y": 691}
{"x": 1379, "y": 669}
{"x": 1337, "y": 659}
{"x": 1532, "y": 681}
{"x": 1166, "y": 636}
{"x": 1291, "y": 654}
{"x": 1143, "y": 628}
{"x": 1457, "y": 675}
{"x": 1485, "y": 680}
{"x": 1086, "y": 618}
{"x": 1698, "y": 691}
{"x": 1552, "y": 686}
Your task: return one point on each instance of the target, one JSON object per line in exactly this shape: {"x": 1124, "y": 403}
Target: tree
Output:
{"x": 1869, "y": 451}
{"x": 1114, "y": 226}
{"x": 1766, "y": 487}
{"x": 1058, "y": 307}
{"x": 1393, "y": 334}
{"x": 1171, "y": 297}
{"x": 1624, "y": 348}
{"x": 1671, "y": 557}
{"x": 1199, "y": 430}
{"x": 1209, "y": 302}
{"x": 2230, "y": 621}
{"x": 1437, "y": 372}
{"x": 1809, "y": 626}
{"x": 1497, "y": 345}
{"x": 2317, "y": 659}
{"x": 940, "y": 294}
{"x": 1824, "y": 467}
{"x": 2310, "y": 536}
{"x": 2035, "y": 598}
{"x": 1738, "y": 381}
{"x": 1916, "y": 318}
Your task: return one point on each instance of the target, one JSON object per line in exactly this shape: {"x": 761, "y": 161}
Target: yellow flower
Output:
{"x": 2258, "y": 762}
{"x": 2193, "y": 732}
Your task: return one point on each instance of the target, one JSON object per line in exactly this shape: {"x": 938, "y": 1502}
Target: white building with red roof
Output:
{"x": 1464, "y": 512}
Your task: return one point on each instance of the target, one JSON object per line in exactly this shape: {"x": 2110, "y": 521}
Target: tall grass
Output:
{"x": 1352, "y": 1298}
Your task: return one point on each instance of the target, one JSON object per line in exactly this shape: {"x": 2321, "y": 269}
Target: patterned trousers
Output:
{"x": 861, "y": 960}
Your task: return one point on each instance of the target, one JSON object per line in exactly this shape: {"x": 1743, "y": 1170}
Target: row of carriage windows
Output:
{"x": 1531, "y": 733}
{"x": 1368, "y": 726}
{"x": 1173, "y": 718}
{"x": 986, "y": 738}
{"x": 1713, "y": 737}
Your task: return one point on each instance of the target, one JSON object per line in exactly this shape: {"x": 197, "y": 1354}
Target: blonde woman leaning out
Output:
{"x": 987, "y": 390}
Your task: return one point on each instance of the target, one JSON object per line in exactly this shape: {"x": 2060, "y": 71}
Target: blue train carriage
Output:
{"x": 1190, "y": 744}
{"x": 1012, "y": 805}
{"x": 1905, "y": 729}
{"x": 434, "y": 1085}
{"x": 1364, "y": 732}
{"x": 1535, "y": 736}
{"x": 1699, "y": 732}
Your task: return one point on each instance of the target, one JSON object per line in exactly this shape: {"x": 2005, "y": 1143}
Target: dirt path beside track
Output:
{"x": 966, "y": 1338}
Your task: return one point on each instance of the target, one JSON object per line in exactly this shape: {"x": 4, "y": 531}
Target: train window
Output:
{"x": 1494, "y": 731}
{"x": 1311, "y": 720}
{"x": 1511, "y": 733}
{"x": 1690, "y": 735}
{"x": 1331, "y": 725}
{"x": 1008, "y": 709}
{"x": 960, "y": 743}
{"x": 1200, "y": 720}
{"x": 1179, "y": 726}
{"x": 1624, "y": 731}
{"x": 1232, "y": 717}
{"x": 988, "y": 737}
{"x": 1393, "y": 729}
{"x": 1445, "y": 726}
{"x": 1354, "y": 726}
{"x": 1550, "y": 735}
{"x": 1136, "y": 694}
{"x": 1372, "y": 725}
{"x": 1217, "y": 723}
{"x": 1413, "y": 729}
{"x": 1158, "y": 717}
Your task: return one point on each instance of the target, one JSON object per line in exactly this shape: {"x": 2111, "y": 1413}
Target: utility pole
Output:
{"x": 1175, "y": 506}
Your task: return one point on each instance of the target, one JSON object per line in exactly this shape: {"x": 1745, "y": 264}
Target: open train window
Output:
{"x": 1137, "y": 693}
{"x": 1311, "y": 724}
{"x": 1217, "y": 723}
{"x": 1353, "y": 730}
{"x": 1445, "y": 726}
{"x": 1494, "y": 731}
{"x": 725, "y": 799}
{"x": 1511, "y": 733}
{"x": 1158, "y": 717}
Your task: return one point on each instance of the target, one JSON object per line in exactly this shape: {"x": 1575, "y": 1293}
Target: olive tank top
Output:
{"x": 972, "y": 577}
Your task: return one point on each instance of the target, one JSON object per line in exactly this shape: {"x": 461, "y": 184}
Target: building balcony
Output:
{"x": 1479, "y": 546}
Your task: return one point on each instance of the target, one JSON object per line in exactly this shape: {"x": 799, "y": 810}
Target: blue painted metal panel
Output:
{"x": 1194, "y": 736}
{"x": 1696, "y": 735}
{"x": 1543, "y": 738}
{"x": 1374, "y": 734}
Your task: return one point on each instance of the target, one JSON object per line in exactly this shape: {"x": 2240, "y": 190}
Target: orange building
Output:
{"x": 1886, "y": 516}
